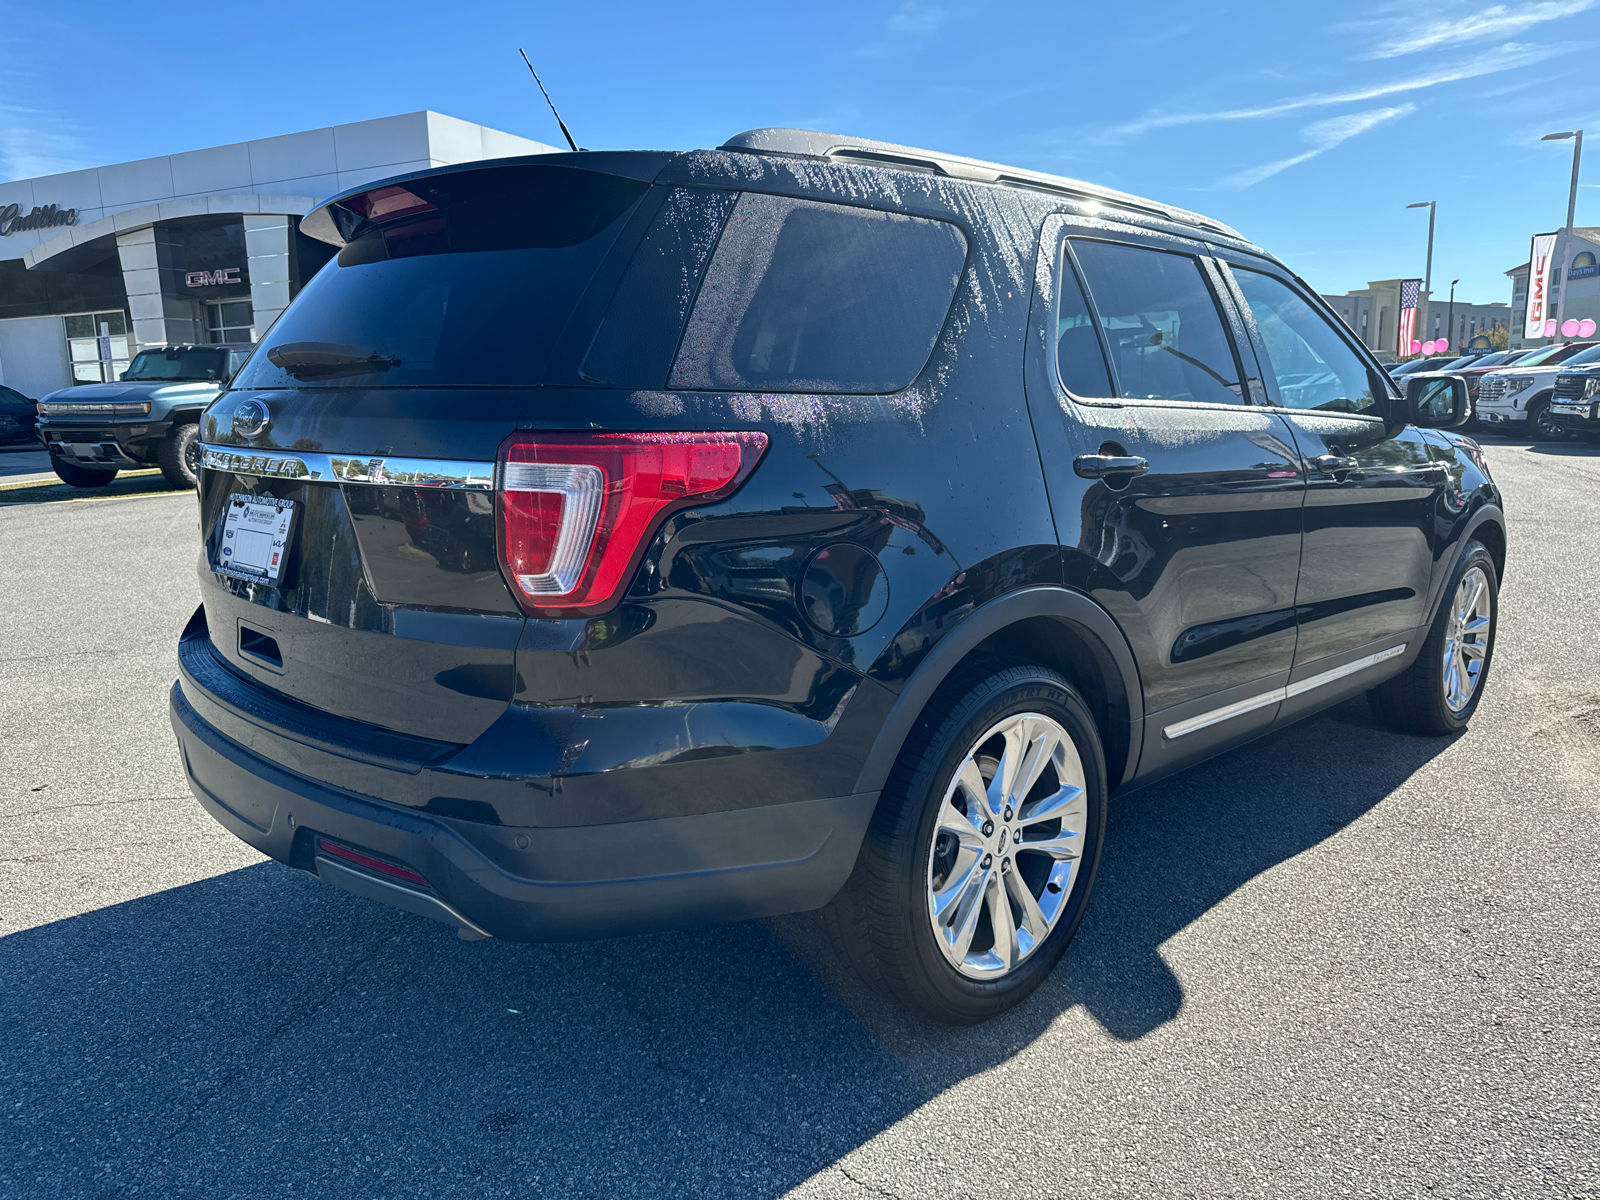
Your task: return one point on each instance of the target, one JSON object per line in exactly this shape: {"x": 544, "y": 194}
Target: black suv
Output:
{"x": 150, "y": 417}
{"x": 607, "y": 542}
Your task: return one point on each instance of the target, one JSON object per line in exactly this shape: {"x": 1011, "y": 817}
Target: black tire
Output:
{"x": 880, "y": 923}
{"x": 179, "y": 456}
{"x": 80, "y": 477}
{"x": 1542, "y": 427}
{"x": 1415, "y": 701}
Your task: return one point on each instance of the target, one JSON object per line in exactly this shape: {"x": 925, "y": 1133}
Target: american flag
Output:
{"x": 1410, "y": 290}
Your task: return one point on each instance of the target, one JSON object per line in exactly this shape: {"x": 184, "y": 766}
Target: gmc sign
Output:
{"x": 212, "y": 278}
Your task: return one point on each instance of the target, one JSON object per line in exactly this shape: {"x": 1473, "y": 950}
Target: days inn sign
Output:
{"x": 14, "y": 220}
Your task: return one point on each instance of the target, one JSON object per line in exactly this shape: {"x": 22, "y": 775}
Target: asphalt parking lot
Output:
{"x": 1338, "y": 962}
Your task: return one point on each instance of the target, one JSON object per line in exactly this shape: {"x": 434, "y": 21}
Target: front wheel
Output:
{"x": 179, "y": 456}
{"x": 80, "y": 477}
{"x": 983, "y": 850}
{"x": 1438, "y": 693}
{"x": 1544, "y": 426}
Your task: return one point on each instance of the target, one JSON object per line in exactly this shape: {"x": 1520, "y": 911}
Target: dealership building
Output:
{"x": 203, "y": 246}
{"x": 1580, "y": 279}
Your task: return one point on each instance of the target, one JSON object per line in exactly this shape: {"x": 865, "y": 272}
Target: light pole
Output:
{"x": 1565, "y": 241}
{"x": 1450, "y": 320}
{"x": 1427, "y": 281}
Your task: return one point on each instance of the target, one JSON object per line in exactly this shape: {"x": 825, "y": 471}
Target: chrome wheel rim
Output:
{"x": 1466, "y": 640}
{"x": 1006, "y": 846}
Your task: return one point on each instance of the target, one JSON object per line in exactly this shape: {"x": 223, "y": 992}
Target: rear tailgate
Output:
{"x": 370, "y": 420}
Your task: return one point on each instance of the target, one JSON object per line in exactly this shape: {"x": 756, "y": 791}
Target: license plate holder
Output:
{"x": 254, "y": 541}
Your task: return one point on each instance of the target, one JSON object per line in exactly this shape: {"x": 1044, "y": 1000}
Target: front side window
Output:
{"x": 1161, "y": 322}
{"x": 1080, "y": 361}
{"x": 803, "y": 296}
{"x": 1314, "y": 366}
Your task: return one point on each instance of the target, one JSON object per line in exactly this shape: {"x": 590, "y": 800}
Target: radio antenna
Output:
{"x": 565, "y": 132}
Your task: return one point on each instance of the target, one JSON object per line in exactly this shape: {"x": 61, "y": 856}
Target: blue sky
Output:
{"x": 1308, "y": 127}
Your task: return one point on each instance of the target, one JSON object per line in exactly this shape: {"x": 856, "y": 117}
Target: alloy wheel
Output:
{"x": 192, "y": 457}
{"x": 1547, "y": 427}
{"x": 1006, "y": 846}
{"x": 1466, "y": 641}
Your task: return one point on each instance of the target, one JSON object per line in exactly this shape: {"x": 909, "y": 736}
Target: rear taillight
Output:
{"x": 576, "y": 511}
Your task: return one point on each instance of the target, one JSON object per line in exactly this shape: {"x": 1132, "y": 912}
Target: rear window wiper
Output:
{"x": 325, "y": 360}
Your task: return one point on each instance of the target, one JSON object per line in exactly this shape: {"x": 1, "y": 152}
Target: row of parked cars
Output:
{"x": 149, "y": 417}
{"x": 1549, "y": 393}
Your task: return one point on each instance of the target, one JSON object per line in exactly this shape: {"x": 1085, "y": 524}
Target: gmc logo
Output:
{"x": 212, "y": 278}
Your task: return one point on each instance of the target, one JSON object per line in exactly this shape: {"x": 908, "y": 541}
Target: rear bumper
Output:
{"x": 533, "y": 883}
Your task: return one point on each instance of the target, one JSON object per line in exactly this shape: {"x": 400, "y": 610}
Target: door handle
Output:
{"x": 1330, "y": 464}
{"x": 1098, "y": 466}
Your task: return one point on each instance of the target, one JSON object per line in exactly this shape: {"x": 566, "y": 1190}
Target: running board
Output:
{"x": 1277, "y": 695}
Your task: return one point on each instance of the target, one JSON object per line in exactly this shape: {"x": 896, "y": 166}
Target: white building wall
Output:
{"x": 317, "y": 162}
{"x": 266, "y": 240}
{"x": 33, "y": 355}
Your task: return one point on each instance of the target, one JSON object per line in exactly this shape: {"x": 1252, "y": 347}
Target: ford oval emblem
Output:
{"x": 251, "y": 418}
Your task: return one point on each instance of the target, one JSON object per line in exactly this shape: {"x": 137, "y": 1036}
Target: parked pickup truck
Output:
{"x": 147, "y": 418}
{"x": 1575, "y": 402}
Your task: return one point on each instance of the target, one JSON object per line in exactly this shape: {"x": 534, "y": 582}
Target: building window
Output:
{"x": 230, "y": 321}
{"x": 97, "y": 344}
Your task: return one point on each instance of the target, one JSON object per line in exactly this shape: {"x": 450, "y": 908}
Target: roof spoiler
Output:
{"x": 643, "y": 165}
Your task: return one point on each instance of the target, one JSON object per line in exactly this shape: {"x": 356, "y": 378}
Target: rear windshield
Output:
{"x": 468, "y": 286}
{"x": 803, "y": 296}
{"x": 203, "y": 364}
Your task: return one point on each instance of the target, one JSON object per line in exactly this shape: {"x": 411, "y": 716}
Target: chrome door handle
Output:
{"x": 1329, "y": 464}
{"x": 1098, "y": 466}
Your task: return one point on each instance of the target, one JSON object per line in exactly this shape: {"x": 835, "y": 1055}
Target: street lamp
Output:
{"x": 1450, "y": 320}
{"x": 1565, "y": 242}
{"x": 1427, "y": 282}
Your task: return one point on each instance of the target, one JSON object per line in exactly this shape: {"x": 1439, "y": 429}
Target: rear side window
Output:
{"x": 809, "y": 297}
{"x": 1161, "y": 322}
{"x": 459, "y": 279}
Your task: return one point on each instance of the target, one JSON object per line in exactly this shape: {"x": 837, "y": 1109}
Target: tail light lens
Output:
{"x": 578, "y": 510}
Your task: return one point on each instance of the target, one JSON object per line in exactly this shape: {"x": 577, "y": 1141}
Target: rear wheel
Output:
{"x": 983, "y": 851}
{"x": 1438, "y": 693}
{"x": 179, "y": 456}
{"x": 80, "y": 477}
{"x": 1543, "y": 426}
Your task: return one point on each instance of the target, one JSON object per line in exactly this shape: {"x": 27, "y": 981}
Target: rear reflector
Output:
{"x": 372, "y": 864}
{"x": 578, "y": 510}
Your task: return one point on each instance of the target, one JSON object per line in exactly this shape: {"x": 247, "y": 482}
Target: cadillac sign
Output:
{"x": 14, "y": 220}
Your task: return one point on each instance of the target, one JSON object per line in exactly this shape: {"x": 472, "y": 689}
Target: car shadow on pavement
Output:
{"x": 259, "y": 1032}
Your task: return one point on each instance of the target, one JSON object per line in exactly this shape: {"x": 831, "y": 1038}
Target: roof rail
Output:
{"x": 812, "y": 144}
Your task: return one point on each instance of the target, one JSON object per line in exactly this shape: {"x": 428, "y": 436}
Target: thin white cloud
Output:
{"x": 36, "y": 142}
{"x": 1448, "y": 29}
{"x": 909, "y": 26}
{"x": 1505, "y": 58}
{"x": 1322, "y": 136}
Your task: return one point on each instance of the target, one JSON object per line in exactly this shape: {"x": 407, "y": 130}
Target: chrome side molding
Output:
{"x": 380, "y": 471}
{"x": 1237, "y": 709}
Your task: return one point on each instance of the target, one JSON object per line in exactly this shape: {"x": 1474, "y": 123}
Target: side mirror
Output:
{"x": 1437, "y": 401}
